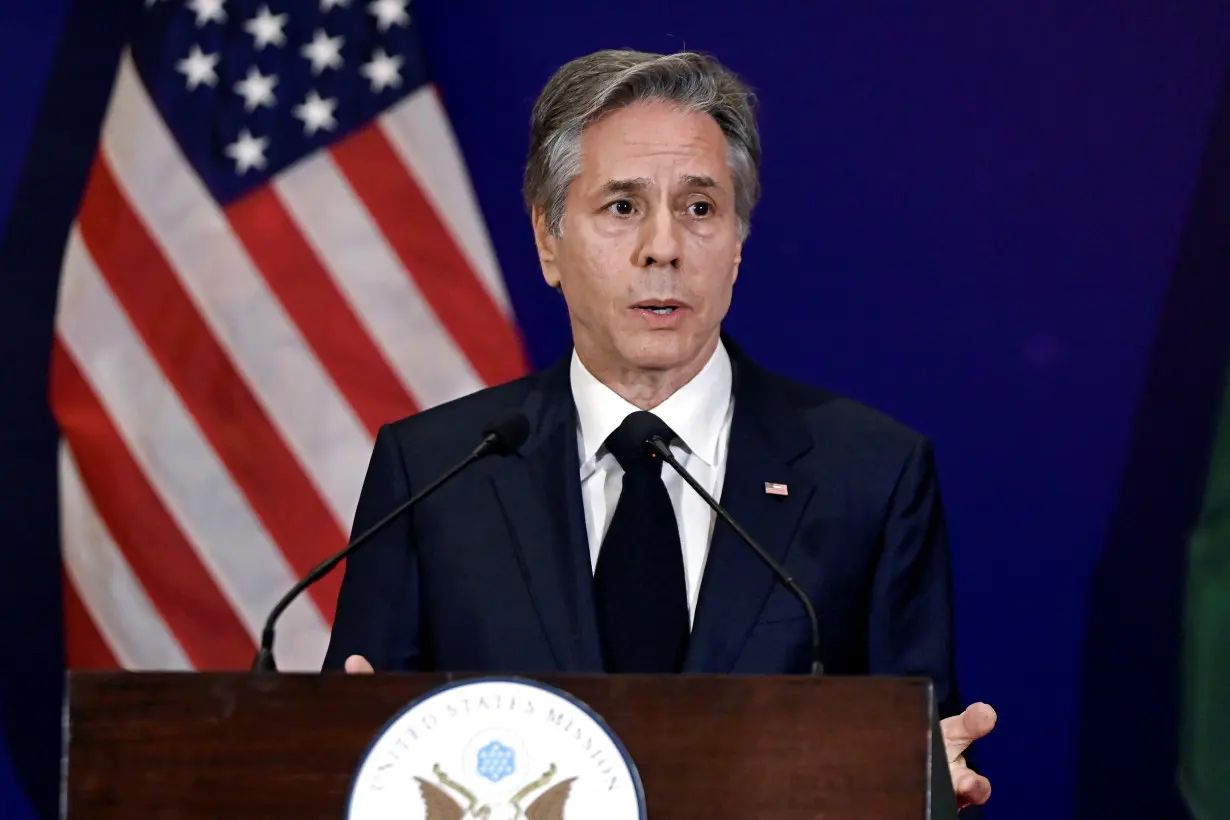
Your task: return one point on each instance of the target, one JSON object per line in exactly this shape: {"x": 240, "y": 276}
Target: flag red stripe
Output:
{"x": 84, "y": 645}
{"x": 161, "y": 558}
{"x": 318, "y": 308}
{"x": 230, "y": 418}
{"x": 427, "y": 249}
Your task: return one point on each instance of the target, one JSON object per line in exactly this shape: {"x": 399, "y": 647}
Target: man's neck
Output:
{"x": 647, "y": 389}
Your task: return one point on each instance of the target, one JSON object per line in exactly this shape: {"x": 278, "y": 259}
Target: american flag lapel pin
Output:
{"x": 773, "y": 488}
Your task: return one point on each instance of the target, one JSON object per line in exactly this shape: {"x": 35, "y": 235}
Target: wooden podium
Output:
{"x": 253, "y": 745}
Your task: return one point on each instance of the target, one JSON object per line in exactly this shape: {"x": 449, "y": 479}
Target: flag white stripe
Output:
{"x": 248, "y": 321}
{"x": 164, "y": 440}
{"x": 109, "y": 591}
{"x": 336, "y": 225}
{"x": 419, "y": 131}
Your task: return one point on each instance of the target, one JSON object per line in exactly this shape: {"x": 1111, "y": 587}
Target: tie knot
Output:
{"x": 627, "y": 442}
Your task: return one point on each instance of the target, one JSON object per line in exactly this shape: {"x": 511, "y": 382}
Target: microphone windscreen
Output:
{"x": 510, "y": 429}
{"x": 641, "y": 427}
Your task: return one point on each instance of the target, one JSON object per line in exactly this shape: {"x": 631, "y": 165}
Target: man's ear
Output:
{"x": 738, "y": 261}
{"x": 546, "y": 245}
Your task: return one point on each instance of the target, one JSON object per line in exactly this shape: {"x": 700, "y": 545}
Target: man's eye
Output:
{"x": 621, "y": 207}
{"x": 701, "y": 209}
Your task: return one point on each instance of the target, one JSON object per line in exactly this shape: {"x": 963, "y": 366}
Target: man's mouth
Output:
{"x": 660, "y": 308}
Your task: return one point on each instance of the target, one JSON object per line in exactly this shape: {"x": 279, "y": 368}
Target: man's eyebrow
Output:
{"x": 698, "y": 181}
{"x": 625, "y": 186}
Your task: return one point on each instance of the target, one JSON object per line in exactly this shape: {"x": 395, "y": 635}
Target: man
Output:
{"x": 576, "y": 554}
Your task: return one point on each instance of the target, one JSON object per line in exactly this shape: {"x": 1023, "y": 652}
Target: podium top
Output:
{"x": 197, "y": 745}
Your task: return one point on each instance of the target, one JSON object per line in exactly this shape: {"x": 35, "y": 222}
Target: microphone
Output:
{"x": 503, "y": 435}
{"x": 648, "y": 428}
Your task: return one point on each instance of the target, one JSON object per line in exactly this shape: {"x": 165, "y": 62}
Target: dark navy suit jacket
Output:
{"x": 492, "y": 573}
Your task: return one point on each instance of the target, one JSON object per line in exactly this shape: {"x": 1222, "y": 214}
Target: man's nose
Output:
{"x": 660, "y": 241}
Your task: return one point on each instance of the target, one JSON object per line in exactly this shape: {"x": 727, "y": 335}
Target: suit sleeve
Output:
{"x": 910, "y": 631}
{"x": 378, "y": 605}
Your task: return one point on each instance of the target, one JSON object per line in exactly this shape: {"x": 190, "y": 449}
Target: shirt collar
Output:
{"x": 695, "y": 411}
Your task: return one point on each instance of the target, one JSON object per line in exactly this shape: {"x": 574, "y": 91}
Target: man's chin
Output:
{"x": 663, "y": 352}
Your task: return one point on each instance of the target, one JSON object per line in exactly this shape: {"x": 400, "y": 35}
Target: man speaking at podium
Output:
{"x": 581, "y": 552}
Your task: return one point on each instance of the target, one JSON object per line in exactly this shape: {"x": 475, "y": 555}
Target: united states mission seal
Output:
{"x": 496, "y": 749}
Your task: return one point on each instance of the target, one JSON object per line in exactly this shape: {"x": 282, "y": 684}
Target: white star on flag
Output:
{"x": 383, "y": 71}
{"x": 316, "y": 113}
{"x": 324, "y": 51}
{"x": 247, "y": 151}
{"x": 389, "y": 13}
{"x": 266, "y": 28}
{"x": 325, "y": 5}
{"x": 199, "y": 67}
{"x": 257, "y": 89}
{"x": 208, "y": 10}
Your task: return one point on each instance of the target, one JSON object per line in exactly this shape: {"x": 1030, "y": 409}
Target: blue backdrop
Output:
{"x": 1007, "y": 224}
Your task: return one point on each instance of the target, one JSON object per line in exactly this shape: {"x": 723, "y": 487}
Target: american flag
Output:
{"x": 277, "y": 251}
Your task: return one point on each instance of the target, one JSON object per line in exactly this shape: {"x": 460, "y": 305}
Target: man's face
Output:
{"x": 650, "y": 246}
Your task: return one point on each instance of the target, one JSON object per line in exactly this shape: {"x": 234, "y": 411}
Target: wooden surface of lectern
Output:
{"x": 245, "y": 745}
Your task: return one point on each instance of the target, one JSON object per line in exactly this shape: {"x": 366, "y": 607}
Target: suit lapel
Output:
{"x": 539, "y": 491}
{"x": 766, "y": 438}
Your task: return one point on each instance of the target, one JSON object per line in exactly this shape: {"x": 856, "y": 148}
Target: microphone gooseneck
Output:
{"x": 503, "y": 435}
{"x": 647, "y": 425}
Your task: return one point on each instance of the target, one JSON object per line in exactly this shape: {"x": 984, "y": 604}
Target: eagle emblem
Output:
{"x": 441, "y": 805}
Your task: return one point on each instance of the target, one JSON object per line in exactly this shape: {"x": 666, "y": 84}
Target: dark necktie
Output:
{"x": 640, "y": 590}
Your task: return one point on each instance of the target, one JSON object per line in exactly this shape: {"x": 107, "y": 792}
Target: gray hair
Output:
{"x": 590, "y": 87}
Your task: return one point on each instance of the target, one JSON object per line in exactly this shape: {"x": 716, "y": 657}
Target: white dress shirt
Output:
{"x": 700, "y": 413}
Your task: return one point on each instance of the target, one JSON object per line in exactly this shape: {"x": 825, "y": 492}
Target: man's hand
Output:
{"x": 971, "y": 788}
{"x": 358, "y": 665}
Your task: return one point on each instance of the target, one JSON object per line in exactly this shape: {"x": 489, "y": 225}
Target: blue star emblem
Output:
{"x": 496, "y": 761}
